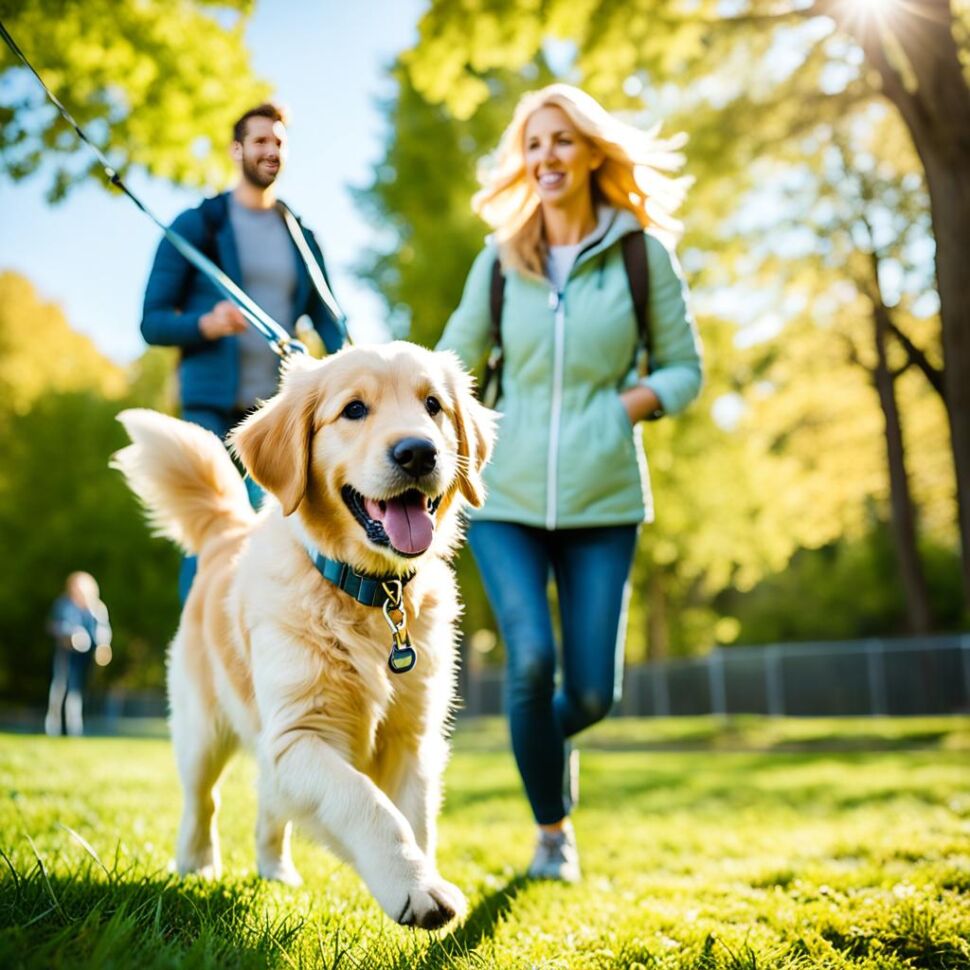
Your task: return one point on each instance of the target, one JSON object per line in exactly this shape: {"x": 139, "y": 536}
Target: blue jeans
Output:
{"x": 220, "y": 423}
{"x": 66, "y": 696}
{"x": 591, "y": 568}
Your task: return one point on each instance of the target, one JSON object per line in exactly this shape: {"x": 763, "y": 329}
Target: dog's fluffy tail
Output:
{"x": 184, "y": 477}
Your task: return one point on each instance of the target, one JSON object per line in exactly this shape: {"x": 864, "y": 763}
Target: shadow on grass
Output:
{"x": 915, "y": 941}
{"x": 93, "y": 917}
{"x": 690, "y": 782}
{"x": 791, "y": 780}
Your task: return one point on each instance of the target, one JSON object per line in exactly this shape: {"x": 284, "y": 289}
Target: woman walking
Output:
{"x": 568, "y": 486}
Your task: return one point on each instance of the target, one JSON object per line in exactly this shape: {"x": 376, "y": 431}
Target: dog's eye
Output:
{"x": 355, "y": 410}
{"x": 433, "y": 405}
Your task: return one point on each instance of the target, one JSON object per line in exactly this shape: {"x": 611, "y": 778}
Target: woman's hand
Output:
{"x": 640, "y": 401}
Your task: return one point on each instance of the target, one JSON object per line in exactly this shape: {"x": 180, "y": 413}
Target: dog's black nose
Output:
{"x": 417, "y": 456}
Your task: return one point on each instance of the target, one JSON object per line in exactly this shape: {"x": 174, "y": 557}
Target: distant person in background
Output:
{"x": 79, "y": 624}
{"x": 572, "y": 195}
{"x": 227, "y": 366}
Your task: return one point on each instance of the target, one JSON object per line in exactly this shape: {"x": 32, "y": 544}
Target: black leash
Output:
{"x": 279, "y": 340}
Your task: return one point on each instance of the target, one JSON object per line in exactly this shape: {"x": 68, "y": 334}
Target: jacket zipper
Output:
{"x": 558, "y": 305}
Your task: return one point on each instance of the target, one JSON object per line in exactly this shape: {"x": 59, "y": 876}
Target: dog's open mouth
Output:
{"x": 404, "y": 522}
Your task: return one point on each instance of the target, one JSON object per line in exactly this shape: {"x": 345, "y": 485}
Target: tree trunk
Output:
{"x": 937, "y": 112}
{"x": 950, "y": 199}
{"x": 901, "y": 502}
{"x": 658, "y": 631}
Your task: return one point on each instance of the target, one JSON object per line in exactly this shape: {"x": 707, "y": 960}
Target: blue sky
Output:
{"x": 91, "y": 253}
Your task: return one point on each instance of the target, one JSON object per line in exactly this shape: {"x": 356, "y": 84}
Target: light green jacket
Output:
{"x": 566, "y": 454}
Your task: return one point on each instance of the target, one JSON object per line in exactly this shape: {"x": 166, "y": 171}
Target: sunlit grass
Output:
{"x": 702, "y": 859}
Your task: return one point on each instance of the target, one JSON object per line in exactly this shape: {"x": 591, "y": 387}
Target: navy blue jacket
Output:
{"x": 177, "y": 295}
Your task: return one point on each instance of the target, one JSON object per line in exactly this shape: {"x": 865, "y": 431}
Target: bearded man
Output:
{"x": 226, "y": 366}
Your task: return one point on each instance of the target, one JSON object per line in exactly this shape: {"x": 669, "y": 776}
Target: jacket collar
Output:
{"x": 611, "y": 225}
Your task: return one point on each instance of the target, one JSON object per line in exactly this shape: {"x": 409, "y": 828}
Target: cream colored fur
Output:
{"x": 270, "y": 656}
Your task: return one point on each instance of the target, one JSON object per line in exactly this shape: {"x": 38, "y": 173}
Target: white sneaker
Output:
{"x": 556, "y": 856}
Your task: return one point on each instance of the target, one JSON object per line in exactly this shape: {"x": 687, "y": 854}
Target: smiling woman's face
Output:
{"x": 558, "y": 158}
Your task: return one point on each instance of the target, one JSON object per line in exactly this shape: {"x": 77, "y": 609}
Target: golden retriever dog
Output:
{"x": 368, "y": 458}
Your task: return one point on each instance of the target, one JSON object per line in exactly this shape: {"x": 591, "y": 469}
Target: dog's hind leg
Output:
{"x": 200, "y": 763}
{"x": 203, "y": 745}
{"x": 273, "y": 857}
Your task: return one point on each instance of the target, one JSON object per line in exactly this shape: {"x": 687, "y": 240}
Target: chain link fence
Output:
{"x": 917, "y": 676}
{"x": 920, "y": 675}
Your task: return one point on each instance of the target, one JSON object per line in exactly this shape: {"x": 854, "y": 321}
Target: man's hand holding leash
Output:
{"x": 223, "y": 319}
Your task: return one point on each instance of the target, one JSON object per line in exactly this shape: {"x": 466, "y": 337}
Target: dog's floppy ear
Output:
{"x": 475, "y": 426}
{"x": 274, "y": 443}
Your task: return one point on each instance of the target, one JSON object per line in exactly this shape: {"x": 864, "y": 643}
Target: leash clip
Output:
{"x": 287, "y": 346}
{"x": 403, "y": 655}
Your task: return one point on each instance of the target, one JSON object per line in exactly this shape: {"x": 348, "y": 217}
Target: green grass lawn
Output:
{"x": 705, "y": 844}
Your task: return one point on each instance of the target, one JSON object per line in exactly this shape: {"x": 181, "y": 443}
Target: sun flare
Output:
{"x": 869, "y": 13}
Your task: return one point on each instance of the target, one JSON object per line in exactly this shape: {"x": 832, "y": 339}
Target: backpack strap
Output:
{"x": 638, "y": 279}
{"x": 490, "y": 389}
{"x": 496, "y": 297}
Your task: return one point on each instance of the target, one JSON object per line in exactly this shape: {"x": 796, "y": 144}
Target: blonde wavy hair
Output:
{"x": 630, "y": 176}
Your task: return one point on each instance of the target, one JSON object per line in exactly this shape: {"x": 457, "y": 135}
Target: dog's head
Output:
{"x": 375, "y": 448}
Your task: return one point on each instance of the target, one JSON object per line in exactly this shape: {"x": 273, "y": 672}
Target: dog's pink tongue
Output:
{"x": 406, "y": 521}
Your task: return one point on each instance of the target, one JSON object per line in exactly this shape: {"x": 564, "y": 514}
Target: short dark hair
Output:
{"x": 267, "y": 110}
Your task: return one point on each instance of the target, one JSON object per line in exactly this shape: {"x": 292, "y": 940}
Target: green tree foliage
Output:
{"x": 778, "y": 610}
{"x": 717, "y": 522}
{"x": 836, "y": 240}
{"x": 40, "y": 354}
{"x": 156, "y": 86}
{"x": 724, "y": 66}
{"x": 62, "y": 508}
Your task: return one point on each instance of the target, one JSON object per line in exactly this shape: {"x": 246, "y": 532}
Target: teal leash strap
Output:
{"x": 313, "y": 269}
{"x": 279, "y": 340}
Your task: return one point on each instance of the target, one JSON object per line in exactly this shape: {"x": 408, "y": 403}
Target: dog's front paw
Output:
{"x": 432, "y": 903}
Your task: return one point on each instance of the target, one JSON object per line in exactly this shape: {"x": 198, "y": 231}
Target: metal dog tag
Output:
{"x": 402, "y": 659}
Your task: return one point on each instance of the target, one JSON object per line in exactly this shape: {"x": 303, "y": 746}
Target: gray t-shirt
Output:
{"x": 268, "y": 262}
{"x": 559, "y": 264}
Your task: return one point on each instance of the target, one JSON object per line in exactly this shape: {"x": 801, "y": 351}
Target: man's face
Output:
{"x": 262, "y": 151}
